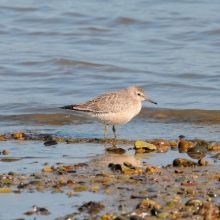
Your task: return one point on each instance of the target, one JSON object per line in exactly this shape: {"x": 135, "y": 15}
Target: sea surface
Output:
{"x": 55, "y": 53}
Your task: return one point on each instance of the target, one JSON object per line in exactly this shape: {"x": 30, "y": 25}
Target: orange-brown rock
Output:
{"x": 184, "y": 146}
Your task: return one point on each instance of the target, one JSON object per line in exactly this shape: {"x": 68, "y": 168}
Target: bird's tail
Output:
{"x": 70, "y": 107}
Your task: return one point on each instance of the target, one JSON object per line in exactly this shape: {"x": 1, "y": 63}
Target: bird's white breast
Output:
{"x": 115, "y": 118}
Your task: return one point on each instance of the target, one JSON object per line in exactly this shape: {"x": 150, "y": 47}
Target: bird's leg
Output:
{"x": 114, "y": 130}
{"x": 106, "y": 130}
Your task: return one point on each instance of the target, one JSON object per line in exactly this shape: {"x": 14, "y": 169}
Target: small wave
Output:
{"x": 76, "y": 63}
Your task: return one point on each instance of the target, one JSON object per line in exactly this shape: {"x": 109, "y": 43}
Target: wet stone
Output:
{"x": 183, "y": 146}
{"x": 80, "y": 188}
{"x": 34, "y": 182}
{"x": 11, "y": 173}
{"x": 208, "y": 209}
{"x": 162, "y": 145}
{"x": 115, "y": 150}
{"x": 197, "y": 152}
{"x": 194, "y": 202}
{"x": 5, "y": 152}
{"x": 136, "y": 217}
{"x": 138, "y": 178}
{"x": 156, "y": 211}
{"x": 181, "y": 162}
{"x": 203, "y": 162}
{"x": 152, "y": 189}
{"x": 163, "y": 215}
{"x": 50, "y": 142}
{"x": 127, "y": 164}
{"x": 91, "y": 206}
{"x": 138, "y": 214}
{"x": 10, "y": 159}
{"x": 203, "y": 143}
{"x": 190, "y": 184}
{"x": 144, "y": 145}
{"x": 143, "y": 196}
{"x": 42, "y": 211}
{"x": 44, "y": 137}
{"x": 5, "y": 190}
{"x": 146, "y": 204}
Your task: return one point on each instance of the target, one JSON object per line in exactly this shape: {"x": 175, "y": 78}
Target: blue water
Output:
{"x": 56, "y": 54}
{"x": 59, "y": 53}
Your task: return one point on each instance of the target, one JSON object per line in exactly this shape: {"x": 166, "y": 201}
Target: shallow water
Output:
{"x": 32, "y": 156}
{"x": 58, "y": 54}
{"x": 55, "y": 54}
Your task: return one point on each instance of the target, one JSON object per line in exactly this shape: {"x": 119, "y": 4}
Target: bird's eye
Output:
{"x": 139, "y": 94}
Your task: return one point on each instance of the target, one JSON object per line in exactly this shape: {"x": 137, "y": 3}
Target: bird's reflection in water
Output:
{"x": 116, "y": 155}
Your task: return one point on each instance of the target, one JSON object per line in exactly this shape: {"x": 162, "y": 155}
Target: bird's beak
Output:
{"x": 149, "y": 100}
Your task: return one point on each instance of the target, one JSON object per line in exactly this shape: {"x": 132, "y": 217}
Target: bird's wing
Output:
{"x": 109, "y": 102}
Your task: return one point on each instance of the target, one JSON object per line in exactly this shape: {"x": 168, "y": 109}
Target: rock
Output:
{"x": 173, "y": 143}
{"x": 127, "y": 168}
{"x": 120, "y": 218}
{"x": 90, "y": 206}
{"x": 137, "y": 214}
{"x": 5, "y": 152}
{"x": 48, "y": 169}
{"x": 127, "y": 164}
{"x": 181, "y": 136}
{"x": 194, "y": 202}
{"x": 197, "y": 152}
{"x": 51, "y": 142}
{"x": 163, "y": 215}
{"x": 161, "y": 143}
{"x": 190, "y": 184}
{"x": 151, "y": 169}
{"x": 119, "y": 167}
{"x": 146, "y": 204}
{"x": 208, "y": 210}
{"x": 183, "y": 146}
{"x": 181, "y": 162}
{"x": 203, "y": 162}
{"x": 80, "y": 188}
{"x": 144, "y": 145}
{"x": 171, "y": 204}
{"x": 18, "y": 135}
{"x": 203, "y": 143}
{"x": 115, "y": 150}
{"x": 5, "y": 190}
{"x": 216, "y": 148}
